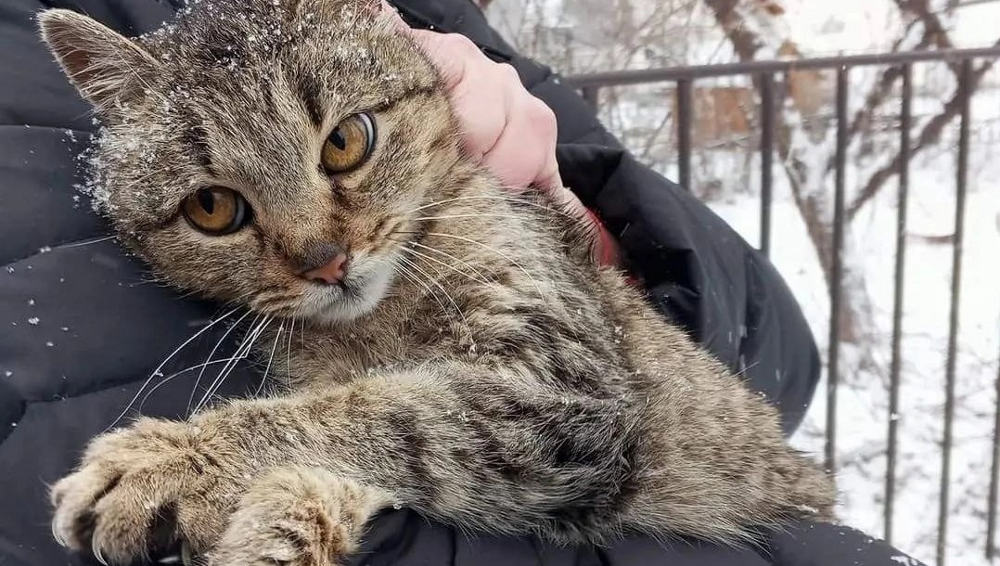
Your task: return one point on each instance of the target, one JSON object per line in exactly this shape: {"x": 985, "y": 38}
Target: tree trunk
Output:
{"x": 812, "y": 199}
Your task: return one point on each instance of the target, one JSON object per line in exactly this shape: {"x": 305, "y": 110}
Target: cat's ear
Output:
{"x": 104, "y": 65}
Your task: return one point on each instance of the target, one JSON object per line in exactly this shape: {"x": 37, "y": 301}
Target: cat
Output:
{"x": 460, "y": 353}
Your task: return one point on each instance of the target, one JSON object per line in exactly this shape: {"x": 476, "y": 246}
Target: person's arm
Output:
{"x": 506, "y": 128}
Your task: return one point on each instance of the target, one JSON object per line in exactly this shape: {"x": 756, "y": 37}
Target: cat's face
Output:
{"x": 267, "y": 152}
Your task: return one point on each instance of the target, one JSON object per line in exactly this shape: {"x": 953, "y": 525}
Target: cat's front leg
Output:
{"x": 220, "y": 490}
{"x": 148, "y": 486}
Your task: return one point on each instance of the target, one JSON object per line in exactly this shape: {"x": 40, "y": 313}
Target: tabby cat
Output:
{"x": 459, "y": 355}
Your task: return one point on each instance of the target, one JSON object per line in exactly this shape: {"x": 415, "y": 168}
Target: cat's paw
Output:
{"x": 297, "y": 517}
{"x": 144, "y": 488}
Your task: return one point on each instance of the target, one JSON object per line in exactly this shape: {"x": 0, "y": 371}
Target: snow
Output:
{"x": 868, "y": 26}
{"x": 824, "y": 31}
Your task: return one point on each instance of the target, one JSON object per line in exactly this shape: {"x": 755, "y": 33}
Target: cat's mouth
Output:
{"x": 354, "y": 296}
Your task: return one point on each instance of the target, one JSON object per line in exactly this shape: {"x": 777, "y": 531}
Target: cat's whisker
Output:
{"x": 174, "y": 375}
{"x": 284, "y": 312}
{"x": 454, "y": 216}
{"x": 238, "y": 355}
{"x": 211, "y": 355}
{"x": 402, "y": 240}
{"x": 439, "y": 286}
{"x": 484, "y": 278}
{"x": 513, "y": 199}
{"x": 412, "y": 277}
{"x": 257, "y": 333}
{"x": 401, "y": 269}
{"x": 465, "y": 198}
{"x": 237, "y": 301}
{"x": 188, "y": 294}
{"x": 302, "y": 335}
{"x": 159, "y": 368}
{"x": 274, "y": 348}
{"x": 87, "y": 242}
{"x": 449, "y": 266}
{"x": 241, "y": 354}
{"x": 283, "y": 309}
{"x": 288, "y": 360}
{"x": 496, "y": 251}
{"x": 274, "y": 301}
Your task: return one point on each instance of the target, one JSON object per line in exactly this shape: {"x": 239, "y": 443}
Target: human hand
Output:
{"x": 504, "y": 126}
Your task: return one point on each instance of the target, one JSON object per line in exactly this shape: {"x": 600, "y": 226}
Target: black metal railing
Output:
{"x": 763, "y": 75}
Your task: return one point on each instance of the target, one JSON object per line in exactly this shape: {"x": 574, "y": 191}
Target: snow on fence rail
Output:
{"x": 763, "y": 75}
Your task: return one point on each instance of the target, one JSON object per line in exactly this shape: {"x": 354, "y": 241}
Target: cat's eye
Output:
{"x": 216, "y": 210}
{"x": 350, "y": 144}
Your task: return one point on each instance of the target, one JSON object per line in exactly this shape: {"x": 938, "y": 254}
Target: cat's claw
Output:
{"x": 138, "y": 490}
{"x": 296, "y": 517}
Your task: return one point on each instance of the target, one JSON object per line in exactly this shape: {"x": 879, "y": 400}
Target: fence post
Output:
{"x": 902, "y": 199}
{"x": 991, "y": 512}
{"x": 837, "y": 269}
{"x": 964, "y": 85}
{"x": 684, "y": 131}
{"x": 766, "y": 159}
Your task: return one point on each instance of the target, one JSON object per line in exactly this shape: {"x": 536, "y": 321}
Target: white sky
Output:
{"x": 852, "y": 26}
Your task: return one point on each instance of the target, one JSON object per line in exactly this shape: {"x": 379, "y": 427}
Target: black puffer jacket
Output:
{"x": 81, "y": 327}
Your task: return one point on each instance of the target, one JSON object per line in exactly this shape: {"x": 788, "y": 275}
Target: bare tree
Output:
{"x": 811, "y": 189}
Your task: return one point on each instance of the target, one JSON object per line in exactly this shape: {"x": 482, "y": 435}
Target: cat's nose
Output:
{"x": 325, "y": 264}
{"x": 331, "y": 273}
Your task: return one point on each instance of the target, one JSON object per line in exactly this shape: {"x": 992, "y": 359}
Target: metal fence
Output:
{"x": 763, "y": 74}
